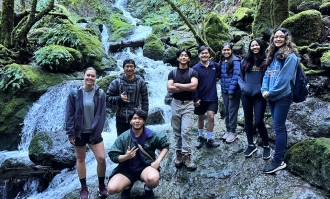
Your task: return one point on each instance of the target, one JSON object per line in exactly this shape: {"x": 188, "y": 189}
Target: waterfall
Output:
{"x": 48, "y": 114}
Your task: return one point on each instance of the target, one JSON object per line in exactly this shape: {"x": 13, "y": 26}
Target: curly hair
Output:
{"x": 283, "y": 51}
{"x": 249, "y": 58}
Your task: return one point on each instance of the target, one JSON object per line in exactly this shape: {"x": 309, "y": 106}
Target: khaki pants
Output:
{"x": 182, "y": 121}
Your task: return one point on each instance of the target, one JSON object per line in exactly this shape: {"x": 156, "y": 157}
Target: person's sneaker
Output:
{"x": 250, "y": 150}
{"x": 231, "y": 137}
{"x": 200, "y": 142}
{"x": 102, "y": 191}
{"x": 126, "y": 193}
{"x": 210, "y": 143}
{"x": 267, "y": 153}
{"x": 187, "y": 161}
{"x": 84, "y": 194}
{"x": 225, "y": 136}
{"x": 178, "y": 159}
{"x": 273, "y": 167}
{"x": 149, "y": 194}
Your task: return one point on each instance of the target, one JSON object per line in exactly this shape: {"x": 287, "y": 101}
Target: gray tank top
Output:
{"x": 88, "y": 103}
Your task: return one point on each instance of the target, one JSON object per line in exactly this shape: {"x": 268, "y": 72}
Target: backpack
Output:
{"x": 169, "y": 96}
{"x": 300, "y": 87}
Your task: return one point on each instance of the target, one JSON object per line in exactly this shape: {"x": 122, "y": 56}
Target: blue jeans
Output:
{"x": 279, "y": 110}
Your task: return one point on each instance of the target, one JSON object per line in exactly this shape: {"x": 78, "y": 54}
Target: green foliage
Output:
{"x": 11, "y": 76}
{"x": 58, "y": 58}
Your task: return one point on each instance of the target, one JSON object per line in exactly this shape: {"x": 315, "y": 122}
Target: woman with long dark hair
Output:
{"x": 282, "y": 62}
{"x": 253, "y": 70}
{"x": 231, "y": 94}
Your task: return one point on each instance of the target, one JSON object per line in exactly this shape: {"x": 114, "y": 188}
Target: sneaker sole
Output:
{"x": 232, "y": 140}
{"x": 278, "y": 168}
{"x": 270, "y": 155}
{"x": 100, "y": 194}
{"x": 249, "y": 155}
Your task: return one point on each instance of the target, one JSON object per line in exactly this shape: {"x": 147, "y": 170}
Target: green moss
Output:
{"x": 82, "y": 39}
{"x": 161, "y": 29}
{"x": 293, "y": 5}
{"x": 325, "y": 60}
{"x": 242, "y": 18}
{"x": 325, "y": 8}
{"x": 58, "y": 58}
{"x": 39, "y": 143}
{"x": 216, "y": 31}
{"x": 12, "y": 106}
{"x": 153, "y": 48}
{"x": 105, "y": 82}
{"x": 305, "y": 27}
{"x": 310, "y": 159}
{"x": 119, "y": 28}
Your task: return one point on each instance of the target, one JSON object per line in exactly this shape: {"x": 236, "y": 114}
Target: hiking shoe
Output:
{"x": 84, "y": 194}
{"x": 200, "y": 141}
{"x": 250, "y": 150}
{"x": 178, "y": 159}
{"x": 210, "y": 143}
{"x": 273, "y": 167}
{"x": 102, "y": 191}
{"x": 231, "y": 137}
{"x": 149, "y": 194}
{"x": 126, "y": 193}
{"x": 187, "y": 161}
{"x": 224, "y": 137}
{"x": 267, "y": 153}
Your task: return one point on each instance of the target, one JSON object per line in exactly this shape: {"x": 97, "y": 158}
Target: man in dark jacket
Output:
{"x": 134, "y": 151}
{"x": 127, "y": 92}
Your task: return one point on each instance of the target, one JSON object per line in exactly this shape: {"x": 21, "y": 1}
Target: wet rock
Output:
{"x": 155, "y": 116}
{"x": 54, "y": 150}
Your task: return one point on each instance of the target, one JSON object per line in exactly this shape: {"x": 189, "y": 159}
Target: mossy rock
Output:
{"x": 325, "y": 60}
{"x": 5, "y": 56}
{"x": 119, "y": 28}
{"x": 325, "y": 8}
{"x": 293, "y": 5}
{"x": 161, "y": 29}
{"x": 309, "y": 5}
{"x": 305, "y": 27}
{"x": 242, "y": 18}
{"x": 39, "y": 145}
{"x": 216, "y": 31}
{"x": 169, "y": 55}
{"x": 82, "y": 39}
{"x": 153, "y": 48}
{"x": 310, "y": 159}
{"x": 249, "y": 3}
{"x": 58, "y": 58}
{"x": 187, "y": 43}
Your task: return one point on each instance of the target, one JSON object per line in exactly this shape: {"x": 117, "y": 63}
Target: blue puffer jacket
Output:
{"x": 229, "y": 82}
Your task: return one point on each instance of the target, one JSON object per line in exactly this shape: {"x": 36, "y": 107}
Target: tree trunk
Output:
{"x": 199, "y": 39}
{"x": 7, "y": 22}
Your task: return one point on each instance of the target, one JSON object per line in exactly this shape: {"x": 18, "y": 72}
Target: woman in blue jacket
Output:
{"x": 84, "y": 122}
{"x": 282, "y": 62}
{"x": 253, "y": 70}
{"x": 229, "y": 73}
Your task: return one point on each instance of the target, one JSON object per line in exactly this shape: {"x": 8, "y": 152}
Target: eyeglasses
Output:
{"x": 279, "y": 36}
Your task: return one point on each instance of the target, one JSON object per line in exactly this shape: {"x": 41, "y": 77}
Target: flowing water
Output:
{"x": 48, "y": 113}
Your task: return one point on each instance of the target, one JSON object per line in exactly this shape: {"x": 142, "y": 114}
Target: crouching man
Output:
{"x": 134, "y": 150}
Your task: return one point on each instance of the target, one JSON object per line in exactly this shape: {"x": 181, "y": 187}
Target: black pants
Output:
{"x": 122, "y": 127}
{"x": 256, "y": 105}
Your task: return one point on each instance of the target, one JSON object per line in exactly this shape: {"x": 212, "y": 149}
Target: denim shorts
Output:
{"x": 206, "y": 106}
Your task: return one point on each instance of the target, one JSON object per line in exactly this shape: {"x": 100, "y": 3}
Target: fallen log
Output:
{"x": 24, "y": 172}
{"x": 119, "y": 46}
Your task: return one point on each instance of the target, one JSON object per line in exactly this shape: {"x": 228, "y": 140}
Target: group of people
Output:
{"x": 262, "y": 76}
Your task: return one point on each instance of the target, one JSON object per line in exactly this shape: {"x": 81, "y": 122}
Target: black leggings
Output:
{"x": 256, "y": 105}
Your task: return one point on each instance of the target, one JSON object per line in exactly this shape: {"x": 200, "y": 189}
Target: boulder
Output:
{"x": 325, "y": 8}
{"x": 242, "y": 18}
{"x": 309, "y": 5}
{"x": 155, "y": 116}
{"x": 216, "y": 31}
{"x": 310, "y": 159}
{"x": 153, "y": 48}
{"x": 52, "y": 149}
{"x": 169, "y": 56}
{"x": 119, "y": 28}
{"x": 305, "y": 27}
{"x": 325, "y": 60}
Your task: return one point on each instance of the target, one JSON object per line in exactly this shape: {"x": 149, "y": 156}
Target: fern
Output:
{"x": 11, "y": 76}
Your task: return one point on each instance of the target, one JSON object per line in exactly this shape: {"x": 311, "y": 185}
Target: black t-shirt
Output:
{"x": 182, "y": 77}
